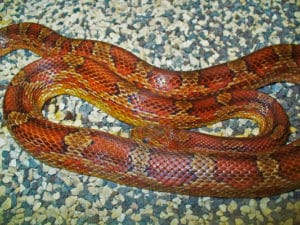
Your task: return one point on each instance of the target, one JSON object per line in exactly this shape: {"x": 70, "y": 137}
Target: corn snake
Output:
{"x": 159, "y": 103}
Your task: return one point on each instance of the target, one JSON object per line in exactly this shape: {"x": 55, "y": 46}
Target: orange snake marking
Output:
{"x": 159, "y": 103}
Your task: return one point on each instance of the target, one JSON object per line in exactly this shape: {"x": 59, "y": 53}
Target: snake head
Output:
{"x": 165, "y": 138}
{"x": 148, "y": 135}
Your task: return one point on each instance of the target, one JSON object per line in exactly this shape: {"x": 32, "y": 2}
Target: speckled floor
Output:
{"x": 180, "y": 36}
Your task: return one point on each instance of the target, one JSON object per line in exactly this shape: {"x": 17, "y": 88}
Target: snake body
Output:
{"x": 160, "y": 104}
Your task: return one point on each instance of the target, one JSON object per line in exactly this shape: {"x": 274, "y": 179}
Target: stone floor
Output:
{"x": 179, "y": 36}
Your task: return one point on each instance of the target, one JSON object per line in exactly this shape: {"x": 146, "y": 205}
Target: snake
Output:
{"x": 162, "y": 106}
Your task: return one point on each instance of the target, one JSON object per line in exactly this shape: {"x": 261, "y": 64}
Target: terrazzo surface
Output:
{"x": 182, "y": 36}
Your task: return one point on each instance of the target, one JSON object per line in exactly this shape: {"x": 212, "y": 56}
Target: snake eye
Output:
{"x": 145, "y": 140}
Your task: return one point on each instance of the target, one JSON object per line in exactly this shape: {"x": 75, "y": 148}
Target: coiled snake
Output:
{"x": 160, "y": 104}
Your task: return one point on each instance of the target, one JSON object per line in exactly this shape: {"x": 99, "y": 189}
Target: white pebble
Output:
{"x": 2, "y": 141}
{"x": 47, "y": 196}
{"x": 105, "y": 192}
{"x": 259, "y": 216}
{"x": 41, "y": 218}
{"x": 245, "y": 209}
{"x": 239, "y": 221}
{"x": 56, "y": 196}
{"x": 95, "y": 116}
{"x": 2, "y": 191}
{"x": 223, "y": 218}
{"x": 67, "y": 180}
{"x": 121, "y": 218}
{"x": 75, "y": 191}
{"x": 30, "y": 200}
{"x": 23, "y": 156}
{"x": 232, "y": 206}
{"x": 93, "y": 190}
{"x": 36, "y": 176}
{"x": 136, "y": 217}
{"x": 266, "y": 211}
{"x": 264, "y": 206}
{"x": 253, "y": 203}
{"x": 204, "y": 43}
{"x": 115, "y": 130}
{"x": 174, "y": 221}
{"x": 6, "y": 205}
{"x": 20, "y": 175}
{"x": 36, "y": 206}
{"x": 147, "y": 210}
{"x": 70, "y": 201}
{"x": 6, "y": 179}
{"x": 289, "y": 221}
{"x": 223, "y": 207}
{"x": 159, "y": 40}
{"x": 110, "y": 119}
{"x": 49, "y": 187}
{"x": 116, "y": 212}
{"x": 51, "y": 108}
{"x": 52, "y": 171}
{"x": 22, "y": 187}
{"x": 59, "y": 220}
{"x": 193, "y": 60}
{"x": 14, "y": 154}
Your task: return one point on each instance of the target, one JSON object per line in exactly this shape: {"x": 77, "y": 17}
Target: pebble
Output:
{"x": 6, "y": 179}
{"x": 116, "y": 212}
{"x": 30, "y": 200}
{"x": 110, "y": 119}
{"x": 47, "y": 196}
{"x": 75, "y": 191}
{"x": 224, "y": 218}
{"x": 121, "y": 218}
{"x": 223, "y": 207}
{"x": 95, "y": 116}
{"x": 36, "y": 175}
{"x": 239, "y": 221}
{"x": 59, "y": 116}
{"x": 15, "y": 154}
{"x": 6, "y": 205}
{"x": 36, "y": 206}
{"x": 2, "y": 141}
{"x": 115, "y": 130}
{"x": 174, "y": 222}
{"x": 245, "y": 209}
{"x": 49, "y": 187}
{"x": 70, "y": 201}
{"x": 20, "y": 176}
{"x": 24, "y": 158}
{"x": 2, "y": 191}
{"x": 52, "y": 171}
{"x": 93, "y": 190}
{"x": 136, "y": 217}
{"x": 41, "y": 218}
{"x": 67, "y": 180}
{"x": 59, "y": 220}
{"x": 232, "y": 206}
{"x": 56, "y": 196}
{"x": 264, "y": 206}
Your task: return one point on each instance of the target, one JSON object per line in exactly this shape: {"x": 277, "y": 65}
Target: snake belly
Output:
{"x": 161, "y": 104}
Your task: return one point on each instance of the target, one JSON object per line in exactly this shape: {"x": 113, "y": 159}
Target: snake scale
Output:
{"x": 162, "y": 153}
